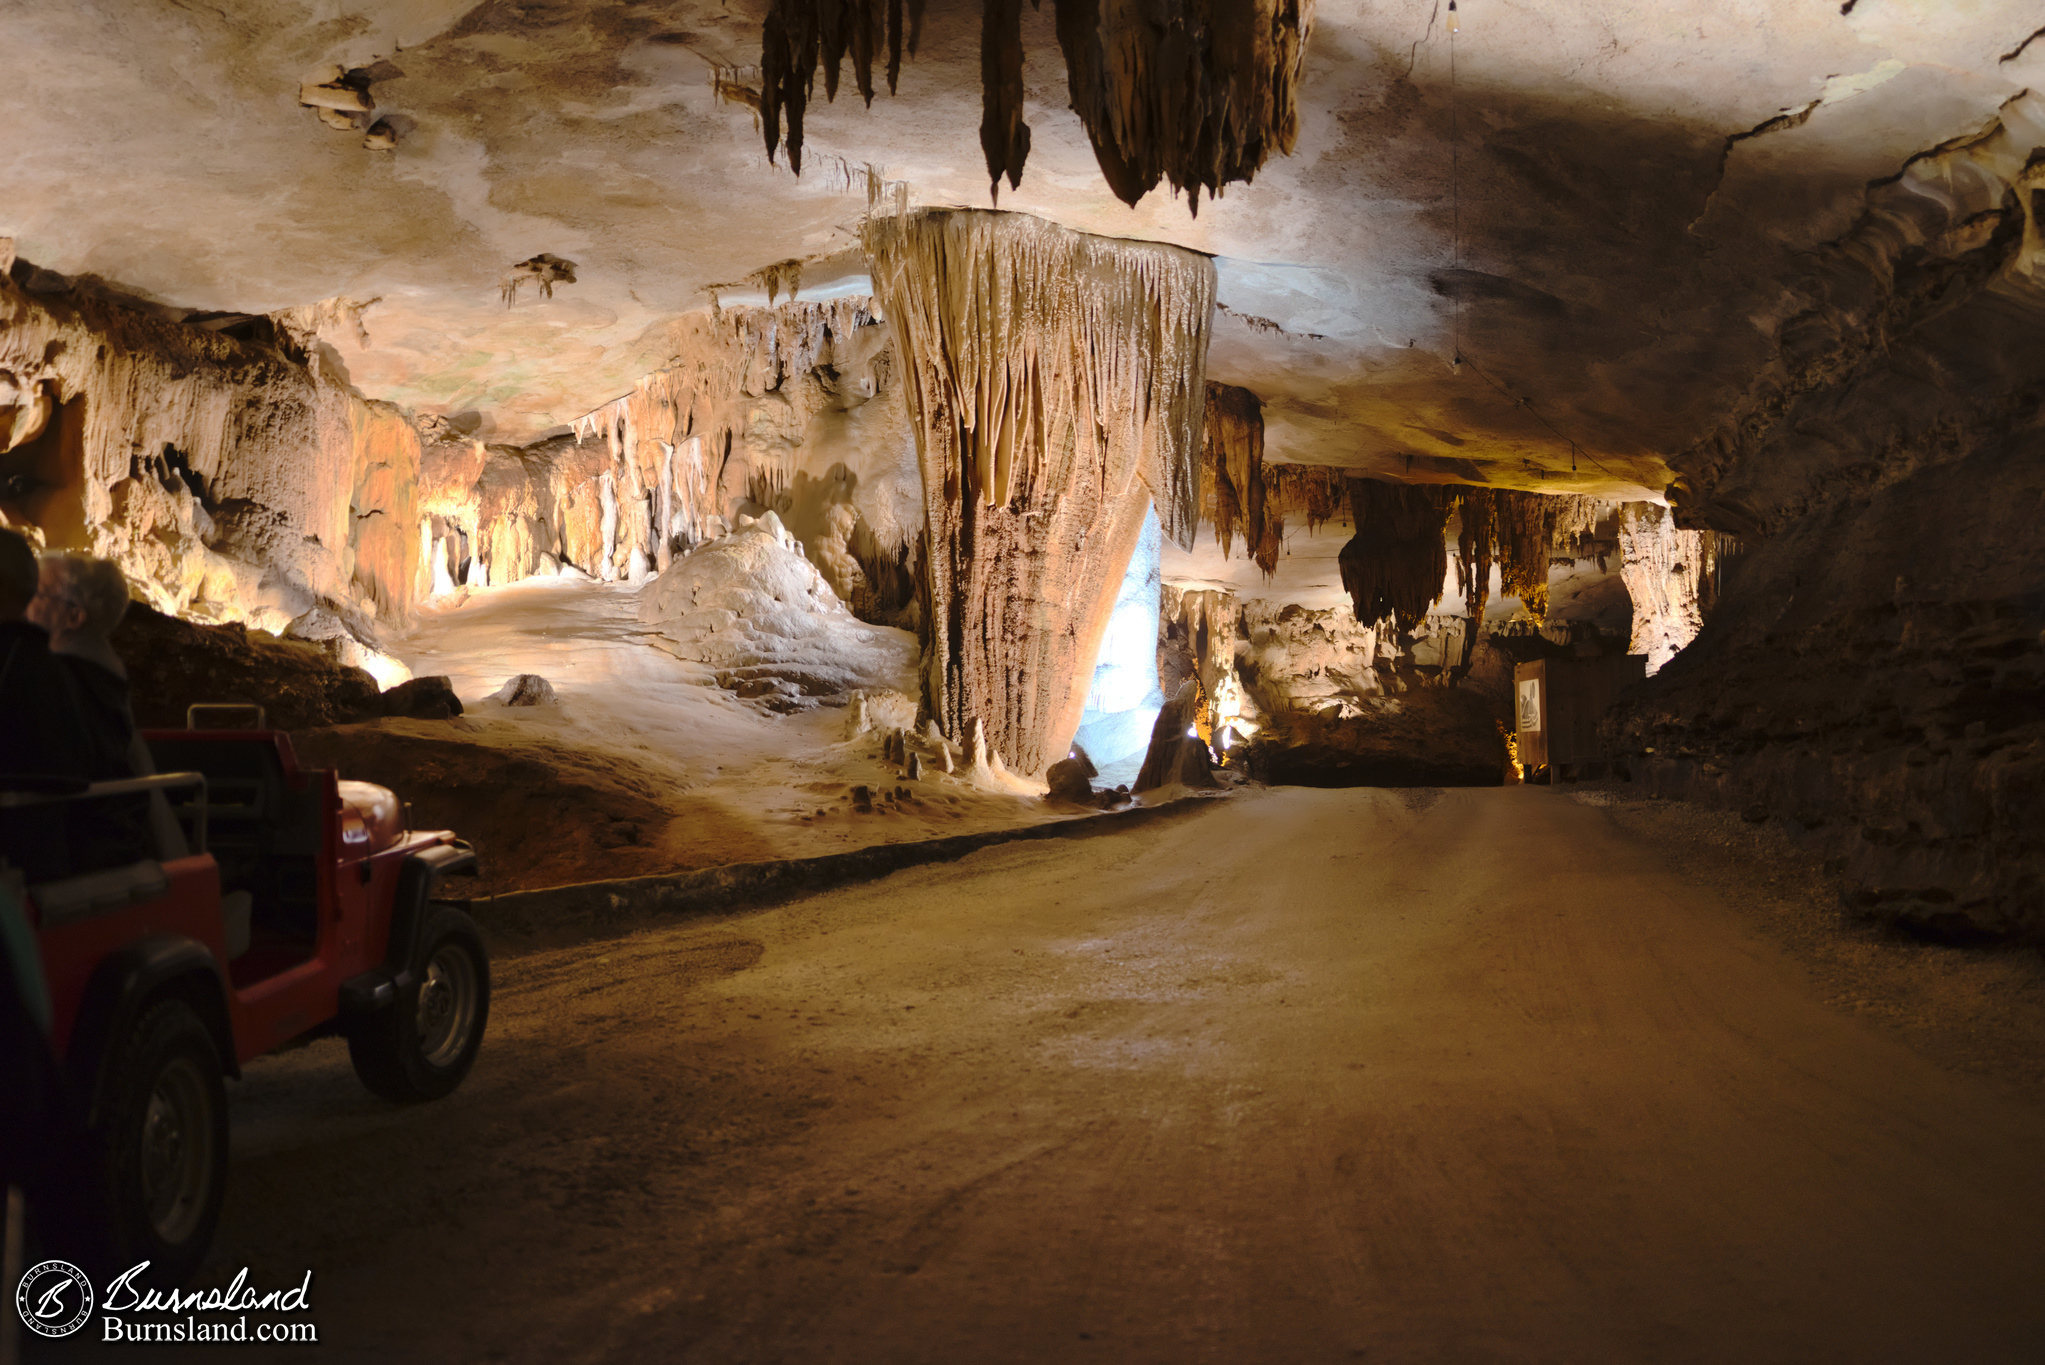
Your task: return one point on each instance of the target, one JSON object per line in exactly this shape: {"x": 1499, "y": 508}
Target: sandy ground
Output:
{"x": 644, "y": 766}
{"x": 1306, "y": 1075}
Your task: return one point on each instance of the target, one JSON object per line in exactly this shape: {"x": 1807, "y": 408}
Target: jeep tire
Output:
{"x": 165, "y": 1141}
{"x": 422, "y": 1046}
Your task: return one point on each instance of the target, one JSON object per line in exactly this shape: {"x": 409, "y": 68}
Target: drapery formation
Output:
{"x": 1240, "y": 494}
{"x": 1057, "y": 385}
{"x": 1197, "y": 92}
{"x": 1397, "y": 563}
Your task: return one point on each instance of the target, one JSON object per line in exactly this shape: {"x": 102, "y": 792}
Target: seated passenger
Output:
{"x": 42, "y": 730}
{"x": 79, "y": 600}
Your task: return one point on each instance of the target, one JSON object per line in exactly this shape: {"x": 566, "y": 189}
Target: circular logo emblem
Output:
{"x": 54, "y": 1298}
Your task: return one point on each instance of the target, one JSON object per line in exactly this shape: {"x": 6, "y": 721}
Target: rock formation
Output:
{"x": 1057, "y": 383}
{"x": 792, "y": 408}
{"x": 1194, "y": 93}
{"x": 232, "y": 477}
{"x": 1672, "y": 576}
{"x": 1396, "y": 563}
{"x": 1873, "y": 675}
{"x": 752, "y": 608}
{"x": 1197, "y": 94}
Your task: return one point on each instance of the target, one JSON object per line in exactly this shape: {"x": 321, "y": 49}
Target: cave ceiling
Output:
{"x": 1607, "y": 213}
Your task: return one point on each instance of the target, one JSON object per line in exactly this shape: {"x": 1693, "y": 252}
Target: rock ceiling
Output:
{"x": 1607, "y": 211}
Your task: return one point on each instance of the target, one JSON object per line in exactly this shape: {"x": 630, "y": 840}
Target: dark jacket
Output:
{"x": 42, "y": 733}
{"x": 103, "y": 705}
{"x": 42, "y": 726}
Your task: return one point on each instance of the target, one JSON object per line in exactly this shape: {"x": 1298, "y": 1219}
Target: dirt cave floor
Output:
{"x": 1486, "y": 1074}
{"x": 643, "y": 765}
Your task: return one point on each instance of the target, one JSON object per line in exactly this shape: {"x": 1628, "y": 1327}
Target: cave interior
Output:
{"x": 554, "y": 411}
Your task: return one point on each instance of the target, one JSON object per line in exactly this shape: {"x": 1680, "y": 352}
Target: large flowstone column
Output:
{"x": 1057, "y": 381}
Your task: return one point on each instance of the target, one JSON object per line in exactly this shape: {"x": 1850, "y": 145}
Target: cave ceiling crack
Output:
{"x": 1782, "y": 122}
{"x": 2018, "y": 50}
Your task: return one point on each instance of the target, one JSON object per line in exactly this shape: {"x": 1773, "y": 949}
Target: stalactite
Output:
{"x": 1315, "y": 492}
{"x": 1000, "y": 306}
{"x": 1189, "y": 91}
{"x": 1397, "y": 561}
{"x": 1523, "y": 531}
{"x": 1232, "y": 466}
{"x": 1197, "y": 93}
{"x": 1004, "y": 137}
{"x": 1476, "y": 547}
{"x": 798, "y": 35}
{"x": 1525, "y": 527}
{"x": 1052, "y": 377}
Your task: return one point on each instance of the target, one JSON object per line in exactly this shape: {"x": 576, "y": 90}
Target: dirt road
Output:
{"x": 1317, "y": 1075}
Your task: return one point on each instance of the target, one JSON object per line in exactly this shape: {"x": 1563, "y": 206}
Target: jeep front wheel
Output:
{"x": 166, "y": 1142}
{"x": 424, "y": 1044}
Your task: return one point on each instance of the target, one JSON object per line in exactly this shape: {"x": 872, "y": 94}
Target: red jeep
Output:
{"x": 300, "y": 906}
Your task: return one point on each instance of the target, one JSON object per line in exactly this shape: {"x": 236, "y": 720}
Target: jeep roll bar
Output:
{"x": 36, "y": 789}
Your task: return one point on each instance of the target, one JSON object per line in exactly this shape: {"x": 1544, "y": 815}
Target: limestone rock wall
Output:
{"x": 232, "y": 477}
{"x": 792, "y": 408}
{"x": 1874, "y": 675}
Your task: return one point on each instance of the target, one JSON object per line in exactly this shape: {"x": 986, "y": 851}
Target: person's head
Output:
{"x": 78, "y": 595}
{"x": 18, "y": 575}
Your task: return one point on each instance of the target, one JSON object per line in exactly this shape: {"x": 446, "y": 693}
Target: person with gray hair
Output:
{"x": 79, "y": 600}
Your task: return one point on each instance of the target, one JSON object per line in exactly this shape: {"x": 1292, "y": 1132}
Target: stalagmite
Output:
{"x": 1177, "y": 753}
{"x": 1057, "y": 384}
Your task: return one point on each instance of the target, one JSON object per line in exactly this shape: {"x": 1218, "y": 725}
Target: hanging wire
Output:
{"x": 1456, "y": 265}
{"x": 1455, "y": 200}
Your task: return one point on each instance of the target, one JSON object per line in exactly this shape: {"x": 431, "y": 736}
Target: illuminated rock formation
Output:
{"x": 231, "y": 477}
{"x": 1672, "y": 576}
{"x": 750, "y": 606}
{"x": 792, "y": 408}
{"x": 1124, "y": 697}
{"x": 1057, "y": 382}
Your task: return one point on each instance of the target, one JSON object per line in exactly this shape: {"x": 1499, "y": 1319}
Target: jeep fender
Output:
{"x": 122, "y": 986}
{"x": 418, "y": 879}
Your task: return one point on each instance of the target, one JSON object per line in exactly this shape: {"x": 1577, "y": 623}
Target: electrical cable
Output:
{"x": 1456, "y": 266}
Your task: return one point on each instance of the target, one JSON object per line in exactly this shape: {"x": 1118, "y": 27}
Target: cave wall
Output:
{"x": 793, "y": 408}
{"x": 232, "y": 477}
{"x": 1873, "y": 678}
